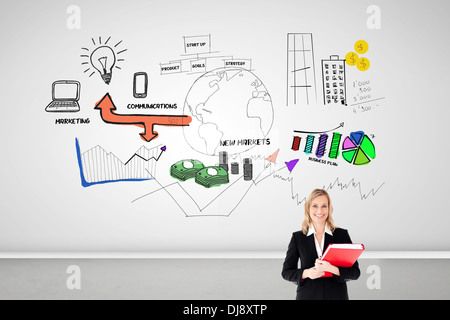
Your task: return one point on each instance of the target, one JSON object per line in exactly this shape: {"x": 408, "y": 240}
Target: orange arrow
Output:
{"x": 273, "y": 157}
{"x": 107, "y": 107}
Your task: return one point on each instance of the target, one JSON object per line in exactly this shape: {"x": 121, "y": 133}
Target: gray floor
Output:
{"x": 194, "y": 279}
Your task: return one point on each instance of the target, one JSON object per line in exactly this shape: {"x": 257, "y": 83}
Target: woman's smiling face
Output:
{"x": 318, "y": 211}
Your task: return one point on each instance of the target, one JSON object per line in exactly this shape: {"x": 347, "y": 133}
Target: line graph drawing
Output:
{"x": 97, "y": 166}
{"x": 200, "y": 208}
{"x": 336, "y": 183}
{"x": 196, "y": 202}
{"x": 301, "y": 73}
{"x": 269, "y": 171}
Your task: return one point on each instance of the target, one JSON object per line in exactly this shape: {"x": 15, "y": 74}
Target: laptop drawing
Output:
{"x": 65, "y": 95}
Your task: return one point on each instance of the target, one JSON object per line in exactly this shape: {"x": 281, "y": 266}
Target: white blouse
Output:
{"x": 319, "y": 247}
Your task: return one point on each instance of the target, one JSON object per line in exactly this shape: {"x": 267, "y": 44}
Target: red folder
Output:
{"x": 342, "y": 255}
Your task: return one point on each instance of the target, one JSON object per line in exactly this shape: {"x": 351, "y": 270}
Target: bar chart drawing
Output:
{"x": 301, "y": 73}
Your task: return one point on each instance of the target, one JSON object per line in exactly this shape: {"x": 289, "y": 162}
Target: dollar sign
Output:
{"x": 351, "y": 58}
{"x": 360, "y": 47}
{"x": 363, "y": 63}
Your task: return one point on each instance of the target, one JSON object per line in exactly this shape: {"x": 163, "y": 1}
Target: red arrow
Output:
{"x": 148, "y": 122}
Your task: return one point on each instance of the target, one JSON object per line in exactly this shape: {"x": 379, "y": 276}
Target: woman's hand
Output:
{"x": 325, "y": 266}
{"x": 312, "y": 273}
{"x": 319, "y": 270}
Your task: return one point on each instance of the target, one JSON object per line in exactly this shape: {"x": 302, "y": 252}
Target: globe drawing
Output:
{"x": 231, "y": 111}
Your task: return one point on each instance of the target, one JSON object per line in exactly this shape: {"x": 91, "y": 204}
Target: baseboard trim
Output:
{"x": 211, "y": 255}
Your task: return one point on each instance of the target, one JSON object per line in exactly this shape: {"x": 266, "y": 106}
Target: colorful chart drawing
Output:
{"x": 358, "y": 149}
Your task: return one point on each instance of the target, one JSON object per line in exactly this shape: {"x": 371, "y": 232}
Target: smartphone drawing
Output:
{"x": 140, "y": 84}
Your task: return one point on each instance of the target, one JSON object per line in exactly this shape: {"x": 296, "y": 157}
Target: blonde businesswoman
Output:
{"x": 308, "y": 245}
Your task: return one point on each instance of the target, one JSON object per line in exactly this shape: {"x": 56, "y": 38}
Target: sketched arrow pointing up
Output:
{"x": 340, "y": 126}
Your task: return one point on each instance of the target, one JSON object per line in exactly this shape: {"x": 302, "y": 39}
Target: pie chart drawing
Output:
{"x": 358, "y": 149}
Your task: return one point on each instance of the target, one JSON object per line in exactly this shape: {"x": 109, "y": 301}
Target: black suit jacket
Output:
{"x": 302, "y": 247}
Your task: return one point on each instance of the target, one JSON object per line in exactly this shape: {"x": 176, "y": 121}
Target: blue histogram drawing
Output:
{"x": 99, "y": 167}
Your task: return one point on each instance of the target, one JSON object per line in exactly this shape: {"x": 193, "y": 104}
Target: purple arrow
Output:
{"x": 291, "y": 164}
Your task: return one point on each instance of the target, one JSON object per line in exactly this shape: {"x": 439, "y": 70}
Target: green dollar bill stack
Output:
{"x": 212, "y": 176}
{"x": 185, "y": 169}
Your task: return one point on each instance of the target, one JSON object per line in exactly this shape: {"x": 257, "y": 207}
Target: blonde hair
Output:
{"x": 307, "y": 220}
